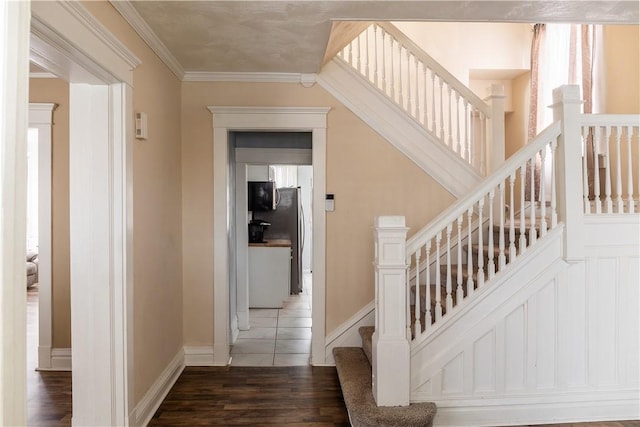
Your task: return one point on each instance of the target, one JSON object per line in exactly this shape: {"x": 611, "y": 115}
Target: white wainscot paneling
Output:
{"x": 452, "y": 376}
{"x": 484, "y": 362}
{"x": 514, "y": 348}
{"x": 545, "y": 361}
{"x": 603, "y": 281}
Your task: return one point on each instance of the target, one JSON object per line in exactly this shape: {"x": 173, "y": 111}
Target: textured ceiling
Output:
{"x": 292, "y": 36}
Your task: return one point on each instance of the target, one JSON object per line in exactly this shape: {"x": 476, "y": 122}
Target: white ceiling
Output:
{"x": 291, "y": 36}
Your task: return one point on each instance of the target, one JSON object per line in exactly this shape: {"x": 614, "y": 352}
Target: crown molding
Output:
{"x": 100, "y": 31}
{"x": 140, "y": 26}
{"x": 307, "y": 80}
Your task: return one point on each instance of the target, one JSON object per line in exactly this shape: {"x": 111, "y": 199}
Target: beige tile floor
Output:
{"x": 277, "y": 337}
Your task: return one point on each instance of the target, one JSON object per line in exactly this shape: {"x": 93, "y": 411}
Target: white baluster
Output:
{"x": 523, "y": 238}
{"x": 417, "y": 85}
{"x": 619, "y": 202}
{"x": 427, "y": 317}
{"x": 467, "y": 133}
{"x": 407, "y": 297}
{"x": 433, "y": 103}
{"x": 543, "y": 196}
{"x": 512, "y": 224}
{"x": 358, "y": 54}
{"x": 417, "y": 311}
{"x": 351, "y": 53}
{"x": 384, "y": 63}
{"x": 479, "y": 146}
{"x": 438, "y": 281}
{"x": 630, "y": 171}
{"x": 480, "y": 244}
{"x": 449, "y": 300}
{"x": 393, "y": 93}
{"x": 375, "y": 55}
{"x": 596, "y": 168}
{"x": 491, "y": 266}
{"x": 585, "y": 169}
{"x": 532, "y": 208}
{"x": 424, "y": 104}
{"x": 408, "y": 81}
{"x": 458, "y": 148}
{"x": 459, "y": 287}
{"x": 367, "y": 52}
{"x": 469, "y": 253}
{"x": 449, "y": 118}
{"x": 400, "y": 92}
{"x": 441, "y": 110}
{"x": 502, "y": 261}
{"x": 554, "y": 210}
{"x": 607, "y": 171}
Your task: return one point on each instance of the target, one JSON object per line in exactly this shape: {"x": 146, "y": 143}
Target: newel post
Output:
{"x": 495, "y": 130}
{"x": 566, "y": 109}
{"x": 391, "y": 349}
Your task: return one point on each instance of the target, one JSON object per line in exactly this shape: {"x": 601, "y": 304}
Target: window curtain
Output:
{"x": 560, "y": 54}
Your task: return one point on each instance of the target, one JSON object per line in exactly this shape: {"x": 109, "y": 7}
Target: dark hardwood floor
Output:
{"x": 297, "y": 395}
{"x": 269, "y": 396}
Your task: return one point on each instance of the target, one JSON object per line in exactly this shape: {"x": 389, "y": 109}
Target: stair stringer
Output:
{"x": 430, "y": 154}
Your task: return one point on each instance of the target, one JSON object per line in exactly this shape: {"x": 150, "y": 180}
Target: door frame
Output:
{"x": 41, "y": 118}
{"x": 304, "y": 119}
{"x": 72, "y": 44}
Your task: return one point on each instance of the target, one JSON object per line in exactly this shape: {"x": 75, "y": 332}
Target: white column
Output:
{"x": 495, "y": 130}
{"x": 14, "y": 51}
{"x": 566, "y": 108}
{"x": 391, "y": 349}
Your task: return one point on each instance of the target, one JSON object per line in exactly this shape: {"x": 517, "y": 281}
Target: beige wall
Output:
{"x": 157, "y": 210}
{"x": 516, "y": 121}
{"x": 461, "y": 47}
{"x": 57, "y": 91}
{"x": 622, "y": 69}
{"x": 368, "y": 176}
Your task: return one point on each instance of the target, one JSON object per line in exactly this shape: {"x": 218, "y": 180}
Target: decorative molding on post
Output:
{"x": 566, "y": 109}
{"x": 391, "y": 349}
{"x": 495, "y": 130}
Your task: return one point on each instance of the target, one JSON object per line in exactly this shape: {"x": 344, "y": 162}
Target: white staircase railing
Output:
{"x": 424, "y": 90}
{"x": 610, "y": 160}
{"x": 487, "y": 219}
{"x": 480, "y": 235}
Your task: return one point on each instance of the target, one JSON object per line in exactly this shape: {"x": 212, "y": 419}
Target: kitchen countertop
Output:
{"x": 272, "y": 243}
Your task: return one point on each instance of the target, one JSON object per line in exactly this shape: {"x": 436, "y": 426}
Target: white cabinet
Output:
{"x": 269, "y": 275}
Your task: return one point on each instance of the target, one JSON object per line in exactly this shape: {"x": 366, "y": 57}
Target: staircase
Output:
{"x": 501, "y": 310}
{"x": 354, "y": 371}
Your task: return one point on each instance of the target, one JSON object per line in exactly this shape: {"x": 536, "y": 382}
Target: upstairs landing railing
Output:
{"x": 566, "y": 196}
{"x": 428, "y": 93}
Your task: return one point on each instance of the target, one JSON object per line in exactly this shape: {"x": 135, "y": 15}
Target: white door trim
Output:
{"x": 41, "y": 118}
{"x": 70, "y": 42}
{"x": 14, "y": 99}
{"x": 225, "y": 119}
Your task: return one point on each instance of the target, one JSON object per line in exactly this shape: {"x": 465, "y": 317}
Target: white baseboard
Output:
{"x": 347, "y": 335}
{"x": 150, "y": 402}
{"x": 198, "y": 356}
{"x": 59, "y": 359}
{"x": 553, "y": 409}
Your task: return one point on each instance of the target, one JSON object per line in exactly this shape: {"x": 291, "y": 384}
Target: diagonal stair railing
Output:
{"x": 421, "y": 87}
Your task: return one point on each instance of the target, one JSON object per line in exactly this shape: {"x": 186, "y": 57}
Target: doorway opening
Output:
{"x": 270, "y": 309}
{"x": 227, "y": 120}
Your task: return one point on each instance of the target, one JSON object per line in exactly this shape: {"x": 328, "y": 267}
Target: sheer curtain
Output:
{"x": 562, "y": 54}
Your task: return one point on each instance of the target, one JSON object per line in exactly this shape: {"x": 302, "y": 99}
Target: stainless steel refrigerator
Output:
{"x": 287, "y": 222}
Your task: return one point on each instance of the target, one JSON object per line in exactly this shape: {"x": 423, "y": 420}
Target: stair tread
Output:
{"x": 354, "y": 373}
